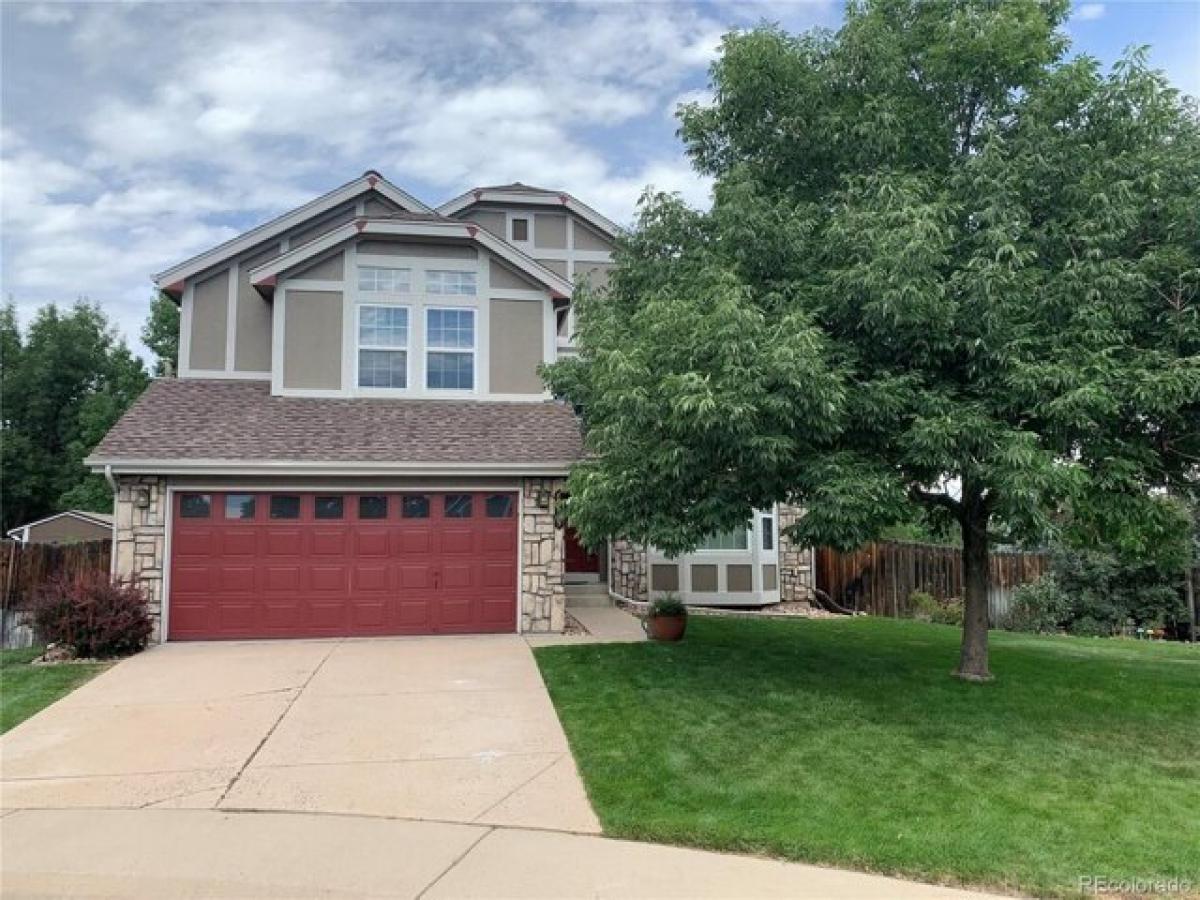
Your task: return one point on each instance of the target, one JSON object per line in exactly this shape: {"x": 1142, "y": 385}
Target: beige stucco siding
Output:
{"x": 417, "y": 250}
{"x": 596, "y": 274}
{"x": 550, "y": 231}
{"x": 516, "y": 346}
{"x": 557, "y": 266}
{"x": 312, "y": 355}
{"x": 331, "y": 268}
{"x": 210, "y": 319}
{"x": 68, "y": 530}
{"x": 378, "y": 205}
{"x": 588, "y": 239}
{"x": 489, "y": 219}
{"x": 502, "y": 276}
{"x": 311, "y": 232}
{"x": 252, "y": 342}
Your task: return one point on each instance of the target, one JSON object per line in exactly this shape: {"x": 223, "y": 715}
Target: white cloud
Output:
{"x": 1089, "y": 12}
{"x": 46, "y": 14}
{"x": 154, "y": 131}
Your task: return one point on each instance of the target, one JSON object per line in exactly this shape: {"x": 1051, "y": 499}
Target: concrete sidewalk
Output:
{"x": 162, "y": 853}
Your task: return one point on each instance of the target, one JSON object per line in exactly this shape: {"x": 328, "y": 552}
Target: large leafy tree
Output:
{"x": 161, "y": 334}
{"x": 946, "y": 268}
{"x": 64, "y": 382}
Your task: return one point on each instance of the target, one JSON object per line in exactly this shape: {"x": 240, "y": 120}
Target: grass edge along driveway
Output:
{"x": 27, "y": 689}
{"x": 846, "y": 742}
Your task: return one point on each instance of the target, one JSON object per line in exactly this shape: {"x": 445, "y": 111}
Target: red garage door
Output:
{"x": 255, "y": 565}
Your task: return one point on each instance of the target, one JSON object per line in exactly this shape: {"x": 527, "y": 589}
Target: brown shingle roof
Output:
{"x": 199, "y": 419}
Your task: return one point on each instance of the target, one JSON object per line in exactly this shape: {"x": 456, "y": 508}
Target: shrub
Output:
{"x": 666, "y": 605}
{"x": 928, "y": 608}
{"x": 1041, "y": 606}
{"x": 924, "y": 605}
{"x": 949, "y": 612}
{"x": 96, "y": 615}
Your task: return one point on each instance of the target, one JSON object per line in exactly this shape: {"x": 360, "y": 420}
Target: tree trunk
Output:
{"x": 973, "y": 661}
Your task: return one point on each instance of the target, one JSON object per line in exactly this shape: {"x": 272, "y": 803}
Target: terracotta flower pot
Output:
{"x": 665, "y": 628}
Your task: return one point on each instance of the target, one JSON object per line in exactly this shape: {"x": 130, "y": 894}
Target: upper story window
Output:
{"x": 383, "y": 346}
{"x": 520, "y": 229}
{"x": 450, "y": 349}
{"x": 381, "y": 280}
{"x": 447, "y": 282}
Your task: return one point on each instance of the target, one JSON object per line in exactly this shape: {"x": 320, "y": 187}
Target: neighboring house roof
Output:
{"x": 171, "y": 279}
{"x": 526, "y": 194}
{"x": 408, "y": 225}
{"x": 103, "y": 519}
{"x": 202, "y": 425}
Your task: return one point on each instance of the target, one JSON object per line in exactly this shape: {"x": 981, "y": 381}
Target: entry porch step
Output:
{"x": 593, "y": 594}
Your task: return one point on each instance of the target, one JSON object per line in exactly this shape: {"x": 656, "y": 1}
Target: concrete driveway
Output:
{"x": 446, "y": 729}
{"x": 418, "y": 768}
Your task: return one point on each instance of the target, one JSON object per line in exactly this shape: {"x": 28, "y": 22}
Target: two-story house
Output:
{"x": 358, "y": 441}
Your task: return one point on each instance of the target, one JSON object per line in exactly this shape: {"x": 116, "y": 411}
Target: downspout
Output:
{"x": 110, "y": 478}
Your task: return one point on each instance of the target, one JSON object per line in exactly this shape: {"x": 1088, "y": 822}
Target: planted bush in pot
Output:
{"x": 666, "y": 619}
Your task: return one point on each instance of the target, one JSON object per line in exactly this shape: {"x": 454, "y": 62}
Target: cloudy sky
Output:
{"x": 133, "y": 135}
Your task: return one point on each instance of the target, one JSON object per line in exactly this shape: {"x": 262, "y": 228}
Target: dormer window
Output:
{"x": 520, "y": 230}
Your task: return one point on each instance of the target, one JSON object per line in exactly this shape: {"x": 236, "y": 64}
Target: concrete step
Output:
{"x": 587, "y": 595}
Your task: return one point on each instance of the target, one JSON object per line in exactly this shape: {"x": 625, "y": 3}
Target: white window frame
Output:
{"x": 749, "y": 531}
{"x": 429, "y": 273}
{"x": 407, "y": 348}
{"x": 473, "y": 351}
{"x": 510, "y": 217}
{"x": 371, "y": 292}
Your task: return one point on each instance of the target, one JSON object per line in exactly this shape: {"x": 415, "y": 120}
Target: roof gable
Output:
{"x": 415, "y": 225}
{"x": 526, "y": 195}
{"x": 171, "y": 280}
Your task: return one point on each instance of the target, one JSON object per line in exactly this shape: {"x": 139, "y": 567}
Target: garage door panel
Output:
{"x": 281, "y": 578}
{"x": 328, "y": 578}
{"x": 285, "y": 542}
{"x": 236, "y": 579}
{"x": 370, "y": 577}
{"x": 458, "y": 576}
{"x": 284, "y": 573}
{"x": 415, "y": 542}
{"x": 498, "y": 575}
{"x": 372, "y": 542}
{"x": 329, "y": 542}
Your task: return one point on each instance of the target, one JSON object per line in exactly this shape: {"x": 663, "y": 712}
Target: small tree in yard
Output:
{"x": 945, "y": 266}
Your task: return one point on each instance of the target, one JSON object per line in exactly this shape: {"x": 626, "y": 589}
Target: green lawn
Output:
{"x": 26, "y": 689}
{"x": 847, "y": 742}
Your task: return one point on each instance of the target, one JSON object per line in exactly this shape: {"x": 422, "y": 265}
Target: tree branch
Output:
{"x": 933, "y": 498}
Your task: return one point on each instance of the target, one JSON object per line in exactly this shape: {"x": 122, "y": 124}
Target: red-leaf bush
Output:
{"x": 95, "y": 614}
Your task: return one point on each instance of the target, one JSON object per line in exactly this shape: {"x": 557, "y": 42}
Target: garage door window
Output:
{"x": 328, "y": 508}
{"x": 285, "y": 506}
{"x": 372, "y": 507}
{"x": 415, "y": 506}
{"x": 458, "y": 506}
{"x": 499, "y": 506}
{"x": 239, "y": 506}
{"x": 195, "y": 506}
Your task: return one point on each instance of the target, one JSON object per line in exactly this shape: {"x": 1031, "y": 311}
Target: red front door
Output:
{"x": 576, "y": 556}
{"x": 328, "y": 564}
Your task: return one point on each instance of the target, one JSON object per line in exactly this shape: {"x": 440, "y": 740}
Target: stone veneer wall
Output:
{"x": 543, "y": 594}
{"x": 140, "y": 549}
{"x": 795, "y": 561}
{"x": 627, "y": 570}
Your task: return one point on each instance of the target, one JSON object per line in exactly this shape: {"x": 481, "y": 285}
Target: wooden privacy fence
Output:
{"x": 879, "y": 577}
{"x": 26, "y": 567}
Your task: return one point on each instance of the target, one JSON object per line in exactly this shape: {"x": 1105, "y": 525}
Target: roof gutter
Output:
{"x": 111, "y": 466}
